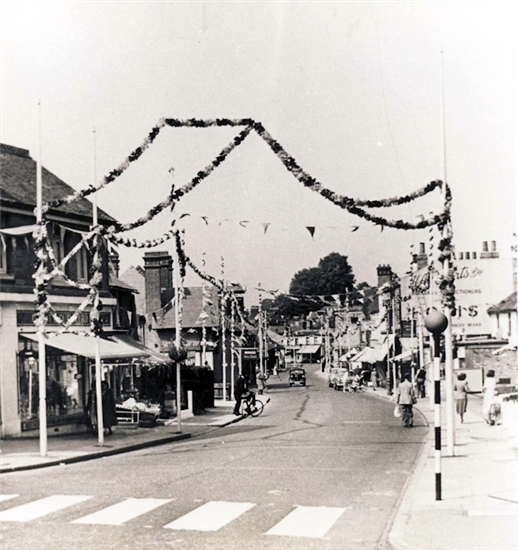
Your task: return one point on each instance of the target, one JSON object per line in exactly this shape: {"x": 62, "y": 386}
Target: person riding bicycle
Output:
{"x": 248, "y": 399}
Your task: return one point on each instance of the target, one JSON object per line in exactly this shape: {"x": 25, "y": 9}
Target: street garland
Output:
{"x": 356, "y": 207}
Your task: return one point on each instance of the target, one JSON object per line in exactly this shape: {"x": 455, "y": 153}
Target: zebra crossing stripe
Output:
{"x": 7, "y": 497}
{"x": 124, "y": 511}
{"x": 211, "y": 516}
{"x": 307, "y": 521}
{"x": 40, "y": 508}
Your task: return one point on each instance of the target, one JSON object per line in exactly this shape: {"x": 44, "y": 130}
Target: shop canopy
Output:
{"x": 154, "y": 357}
{"x": 308, "y": 350}
{"x": 84, "y": 346}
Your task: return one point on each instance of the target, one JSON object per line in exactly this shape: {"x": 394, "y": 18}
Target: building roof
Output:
{"x": 18, "y": 186}
{"x": 192, "y": 310}
{"x": 506, "y": 305}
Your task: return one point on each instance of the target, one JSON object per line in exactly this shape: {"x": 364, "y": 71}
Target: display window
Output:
{"x": 65, "y": 385}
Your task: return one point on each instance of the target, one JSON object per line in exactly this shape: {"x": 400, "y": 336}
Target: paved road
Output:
{"x": 318, "y": 470}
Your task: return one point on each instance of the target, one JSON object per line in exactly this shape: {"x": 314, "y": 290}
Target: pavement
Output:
{"x": 478, "y": 509}
{"x": 24, "y": 453}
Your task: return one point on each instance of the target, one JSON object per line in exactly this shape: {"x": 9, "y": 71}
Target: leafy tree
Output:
{"x": 332, "y": 276}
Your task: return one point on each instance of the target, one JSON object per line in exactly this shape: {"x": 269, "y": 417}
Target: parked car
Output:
{"x": 297, "y": 376}
{"x": 336, "y": 377}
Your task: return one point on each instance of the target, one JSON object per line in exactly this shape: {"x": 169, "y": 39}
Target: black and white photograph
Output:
{"x": 258, "y": 275}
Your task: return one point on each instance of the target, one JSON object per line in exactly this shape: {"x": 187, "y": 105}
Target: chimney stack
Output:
{"x": 384, "y": 274}
{"x": 158, "y": 269}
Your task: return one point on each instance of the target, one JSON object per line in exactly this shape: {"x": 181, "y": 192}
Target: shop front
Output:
{"x": 70, "y": 374}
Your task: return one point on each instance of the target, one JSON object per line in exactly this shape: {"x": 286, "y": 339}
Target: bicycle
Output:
{"x": 251, "y": 406}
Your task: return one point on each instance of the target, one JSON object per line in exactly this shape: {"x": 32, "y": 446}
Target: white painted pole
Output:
{"x": 224, "y": 332}
{"x": 260, "y": 334}
{"x": 177, "y": 337}
{"x": 448, "y": 341}
{"x": 42, "y": 362}
{"x": 99, "y": 374}
{"x": 232, "y": 348}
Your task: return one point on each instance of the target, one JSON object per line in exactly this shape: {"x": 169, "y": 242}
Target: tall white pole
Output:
{"x": 448, "y": 341}
{"x": 203, "y": 325}
{"x": 99, "y": 375}
{"x": 260, "y": 333}
{"x": 42, "y": 360}
{"x": 232, "y": 347}
{"x": 224, "y": 332}
{"x": 177, "y": 339}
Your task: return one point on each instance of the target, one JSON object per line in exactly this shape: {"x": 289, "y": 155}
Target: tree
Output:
{"x": 332, "y": 276}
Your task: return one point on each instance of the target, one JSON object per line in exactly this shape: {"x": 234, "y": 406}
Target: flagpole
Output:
{"x": 448, "y": 341}
{"x": 232, "y": 348}
{"x": 42, "y": 360}
{"x": 177, "y": 338}
{"x": 97, "y": 344}
{"x": 260, "y": 332}
{"x": 223, "y": 331}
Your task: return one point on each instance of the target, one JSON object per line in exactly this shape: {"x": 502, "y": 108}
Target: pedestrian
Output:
{"x": 240, "y": 388}
{"x": 420, "y": 379}
{"x": 461, "y": 395}
{"x": 261, "y": 378}
{"x": 109, "y": 411}
{"x": 489, "y": 391}
{"x": 406, "y": 399}
{"x": 108, "y": 406}
{"x": 374, "y": 378}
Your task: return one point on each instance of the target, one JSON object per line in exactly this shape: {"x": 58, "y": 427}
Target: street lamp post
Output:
{"x": 436, "y": 323}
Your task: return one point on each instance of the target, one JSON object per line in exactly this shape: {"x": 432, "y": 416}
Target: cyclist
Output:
{"x": 249, "y": 399}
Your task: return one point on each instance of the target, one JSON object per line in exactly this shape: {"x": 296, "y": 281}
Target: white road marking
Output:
{"x": 40, "y": 508}
{"x": 124, "y": 511}
{"x": 211, "y": 516}
{"x": 7, "y": 497}
{"x": 307, "y": 521}
{"x": 493, "y": 512}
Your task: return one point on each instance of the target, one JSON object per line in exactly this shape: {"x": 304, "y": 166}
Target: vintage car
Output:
{"x": 297, "y": 376}
{"x": 336, "y": 377}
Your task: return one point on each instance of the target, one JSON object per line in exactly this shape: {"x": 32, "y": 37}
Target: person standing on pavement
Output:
{"x": 239, "y": 390}
{"x": 261, "y": 378}
{"x": 461, "y": 395}
{"x": 374, "y": 377}
{"x": 420, "y": 379}
{"x": 406, "y": 399}
{"x": 489, "y": 391}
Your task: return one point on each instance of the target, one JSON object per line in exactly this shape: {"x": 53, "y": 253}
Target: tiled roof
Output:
{"x": 509, "y": 304}
{"x": 18, "y": 185}
{"x": 191, "y": 310}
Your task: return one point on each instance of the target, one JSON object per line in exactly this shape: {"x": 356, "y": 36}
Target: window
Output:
{"x": 3, "y": 255}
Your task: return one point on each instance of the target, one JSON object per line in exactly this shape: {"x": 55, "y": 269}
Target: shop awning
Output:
{"x": 154, "y": 357}
{"x": 309, "y": 349}
{"x": 405, "y": 355}
{"x": 84, "y": 346}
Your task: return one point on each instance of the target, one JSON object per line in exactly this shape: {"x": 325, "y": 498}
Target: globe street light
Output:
{"x": 436, "y": 323}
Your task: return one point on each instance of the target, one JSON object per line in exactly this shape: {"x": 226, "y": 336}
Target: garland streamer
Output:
{"x": 44, "y": 252}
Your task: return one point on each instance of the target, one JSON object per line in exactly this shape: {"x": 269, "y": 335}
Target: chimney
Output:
{"x": 158, "y": 268}
{"x": 114, "y": 262}
{"x": 384, "y": 274}
{"x": 421, "y": 259}
{"x": 486, "y": 253}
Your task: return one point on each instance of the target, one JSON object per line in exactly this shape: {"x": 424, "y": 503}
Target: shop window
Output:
{"x": 65, "y": 395}
{"x": 3, "y": 255}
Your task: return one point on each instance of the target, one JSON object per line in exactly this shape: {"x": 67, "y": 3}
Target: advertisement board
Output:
{"x": 479, "y": 284}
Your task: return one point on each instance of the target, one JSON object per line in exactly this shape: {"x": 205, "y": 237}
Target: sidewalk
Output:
{"x": 24, "y": 454}
{"x": 479, "y": 506}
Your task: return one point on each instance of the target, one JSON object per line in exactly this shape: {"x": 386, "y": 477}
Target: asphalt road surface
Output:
{"x": 319, "y": 469}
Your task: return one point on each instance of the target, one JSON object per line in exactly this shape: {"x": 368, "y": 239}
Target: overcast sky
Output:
{"x": 352, "y": 90}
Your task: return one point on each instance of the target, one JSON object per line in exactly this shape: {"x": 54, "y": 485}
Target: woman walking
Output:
{"x": 489, "y": 391}
{"x": 461, "y": 395}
